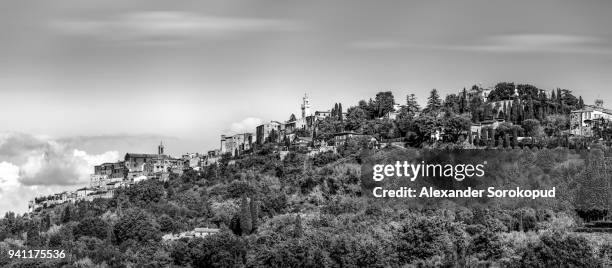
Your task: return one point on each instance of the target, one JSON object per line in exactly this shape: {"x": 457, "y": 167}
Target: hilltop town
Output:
{"x": 505, "y": 116}
{"x": 291, "y": 193}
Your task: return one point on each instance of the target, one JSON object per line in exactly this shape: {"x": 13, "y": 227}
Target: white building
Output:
{"x": 583, "y": 120}
{"x": 197, "y": 232}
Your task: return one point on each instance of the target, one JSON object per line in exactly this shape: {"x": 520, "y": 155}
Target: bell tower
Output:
{"x": 306, "y": 106}
{"x": 160, "y": 148}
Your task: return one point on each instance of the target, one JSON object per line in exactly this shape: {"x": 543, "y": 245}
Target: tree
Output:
{"x": 145, "y": 193}
{"x": 273, "y": 136}
{"x": 456, "y": 125}
{"x": 355, "y": 118}
{"x": 383, "y": 103}
{"x": 502, "y": 91}
{"x": 463, "y": 101}
{"x": 560, "y": 250}
{"x": 412, "y": 106}
{"x": 425, "y": 126}
{"x": 580, "y": 103}
{"x": 93, "y": 227}
{"x": 532, "y": 127}
{"x": 246, "y": 221}
{"x": 218, "y": 250}
{"x": 554, "y": 124}
{"x": 136, "y": 225}
{"x": 167, "y": 224}
{"x": 593, "y": 194}
{"x": 404, "y": 121}
{"x": 33, "y": 235}
{"x": 434, "y": 103}
{"x": 46, "y": 223}
{"x": 340, "y": 115}
{"x": 254, "y": 209}
{"x": 292, "y": 118}
{"x": 452, "y": 103}
{"x": 427, "y": 237}
{"x": 67, "y": 214}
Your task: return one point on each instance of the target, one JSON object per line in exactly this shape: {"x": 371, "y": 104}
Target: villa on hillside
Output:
{"x": 341, "y": 138}
{"x": 195, "y": 233}
{"x": 582, "y": 121}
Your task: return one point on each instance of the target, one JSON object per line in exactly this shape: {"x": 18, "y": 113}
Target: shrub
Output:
{"x": 556, "y": 249}
{"x": 426, "y": 237}
{"x": 93, "y": 227}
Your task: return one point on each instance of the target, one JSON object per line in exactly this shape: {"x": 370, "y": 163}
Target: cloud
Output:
{"x": 38, "y": 165}
{"x": 8, "y": 176}
{"x": 247, "y": 125}
{"x": 14, "y": 144}
{"x": 504, "y": 43}
{"x": 44, "y": 161}
{"x": 98, "y": 142}
{"x": 549, "y": 43}
{"x": 60, "y": 167}
{"x": 376, "y": 45}
{"x": 169, "y": 26}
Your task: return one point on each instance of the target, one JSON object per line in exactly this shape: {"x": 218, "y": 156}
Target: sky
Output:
{"x": 83, "y": 82}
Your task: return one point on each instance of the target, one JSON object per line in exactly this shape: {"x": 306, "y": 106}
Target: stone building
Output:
{"x": 268, "y": 132}
{"x": 582, "y": 121}
{"x": 192, "y": 160}
{"x": 236, "y": 144}
{"x": 212, "y": 158}
{"x": 151, "y": 165}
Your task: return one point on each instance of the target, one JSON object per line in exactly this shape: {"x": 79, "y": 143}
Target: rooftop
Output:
{"x": 590, "y": 108}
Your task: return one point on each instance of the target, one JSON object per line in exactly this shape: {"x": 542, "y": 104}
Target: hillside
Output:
{"x": 312, "y": 212}
{"x": 284, "y": 204}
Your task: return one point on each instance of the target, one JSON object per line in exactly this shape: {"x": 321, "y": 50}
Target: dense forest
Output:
{"x": 305, "y": 211}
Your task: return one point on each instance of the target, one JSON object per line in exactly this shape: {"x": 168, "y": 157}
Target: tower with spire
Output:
{"x": 160, "y": 148}
{"x": 306, "y": 106}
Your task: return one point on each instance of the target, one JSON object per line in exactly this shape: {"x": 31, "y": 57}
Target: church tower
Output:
{"x": 306, "y": 107}
{"x": 160, "y": 148}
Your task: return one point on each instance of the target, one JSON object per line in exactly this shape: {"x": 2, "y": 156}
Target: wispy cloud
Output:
{"x": 169, "y": 26}
{"x": 545, "y": 43}
{"x": 246, "y": 125}
{"x": 503, "y": 43}
{"x": 377, "y": 45}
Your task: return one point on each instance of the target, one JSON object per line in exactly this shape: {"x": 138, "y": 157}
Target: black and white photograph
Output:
{"x": 320, "y": 133}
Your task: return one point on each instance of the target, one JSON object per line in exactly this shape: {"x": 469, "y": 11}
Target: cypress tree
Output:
{"x": 433, "y": 102}
{"x": 67, "y": 215}
{"x": 46, "y": 222}
{"x": 514, "y": 137}
{"x": 485, "y": 136}
{"x": 463, "y": 101}
{"x": 298, "y": 231}
{"x": 507, "y": 140}
{"x": 254, "y": 207}
{"x": 246, "y": 222}
{"x": 335, "y": 110}
{"x": 340, "y": 111}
